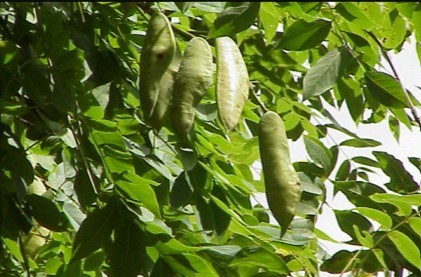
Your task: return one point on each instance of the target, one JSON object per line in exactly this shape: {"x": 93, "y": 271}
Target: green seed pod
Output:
{"x": 281, "y": 181}
{"x": 232, "y": 88}
{"x": 166, "y": 86}
{"x": 157, "y": 53}
{"x": 194, "y": 77}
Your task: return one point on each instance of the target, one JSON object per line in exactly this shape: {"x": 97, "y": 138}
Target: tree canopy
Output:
{"x": 89, "y": 188}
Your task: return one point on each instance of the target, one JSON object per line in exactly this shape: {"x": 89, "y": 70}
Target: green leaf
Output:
{"x": 360, "y": 142}
{"x": 93, "y": 232}
{"x": 302, "y": 35}
{"x": 139, "y": 190}
{"x": 376, "y": 215}
{"x": 268, "y": 16}
{"x": 364, "y": 238}
{"x": 318, "y": 152}
{"x": 400, "y": 180}
{"x": 385, "y": 89}
{"x": 365, "y": 161}
{"x": 337, "y": 263}
{"x": 347, "y": 220}
{"x": 406, "y": 247}
{"x": 223, "y": 250}
{"x": 94, "y": 261}
{"x": 353, "y": 13}
{"x": 128, "y": 254}
{"x": 234, "y": 19}
{"x": 260, "y": 257}
{"x": 325, "y": 72}
{"x": 183, "y": 6}
{"x": 415, "y": 223}
{"x": 403, "y": 205}
{"x": 190, "y": 264}
{"x": 47, "y": 213}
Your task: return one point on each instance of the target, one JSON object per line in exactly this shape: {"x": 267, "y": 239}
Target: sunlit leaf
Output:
{"x": 379, "y": 216}
{"x": 406, "y": 247}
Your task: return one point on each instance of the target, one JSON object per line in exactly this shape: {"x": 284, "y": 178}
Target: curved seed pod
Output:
{"x": 166, "y": 85}
{"x": 281, "y": 181}
{"x": 194, "y": 77}
{"x": 232, "y": 88}
{"x": 157, "y": 53}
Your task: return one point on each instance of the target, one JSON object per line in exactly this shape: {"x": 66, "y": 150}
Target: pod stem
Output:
{"x": 256, "y": 98}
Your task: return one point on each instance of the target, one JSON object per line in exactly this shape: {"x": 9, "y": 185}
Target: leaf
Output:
{"x": 260, "y": 257}
{"x": 385, "y": 89}
{"x": 318, "y": 152}
{"x": 338, "y": 262}
{"x": 404, "y": 207}
{"x": 406, "y": 247}
{"x": 268, "y": 16}
{"x": 364, "y": 238}
{"x": 139, "y": 189}
{"x": 94, "y": 261}
{"x": 222, "y": 250}
{"x": 234, "y": 19}
{"x": 47, "y": 214}
{"x": 365, "y": 161}
{"x": 353, "y": 13}
{"x": 376, "y": 215}
{"x": 183, "y": 6}
{"x": 93, "y": 232}
{"x": 190, "y": 264}
{"x": 360, "y": 142}
{"x": 302, "y": 35}
{"x": 181, "y": 192}
{"x": 325, "y": 72}
{"x": 128, "y": 254}
{"x": 347, "y": 220}
{"x": 400, "y": 180}
{"x": 415, "y": 223}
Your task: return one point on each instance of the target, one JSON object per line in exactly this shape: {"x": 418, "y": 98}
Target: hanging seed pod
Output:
{"x": 281, "y": 181}
{"x": 232, "y": 87}
{"x": 194, "y": 77}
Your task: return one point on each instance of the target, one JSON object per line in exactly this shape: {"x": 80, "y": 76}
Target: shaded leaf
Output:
{"x": 318, "y": 152}
{"x": 234, "y": 19}
{"x": 47, "y": 213}
{"x": 347, "y": 220}
{"x": 302, "y": 35}
{"x": 361, "y": 142}
{"x": 385, "y": 89}
{"x": 93, "y": 232}
{"x": 128, "y": 254}
{"x": 400, "y": 179}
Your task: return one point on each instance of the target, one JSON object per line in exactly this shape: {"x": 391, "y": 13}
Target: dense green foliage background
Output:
{"x": 116, "y": 198}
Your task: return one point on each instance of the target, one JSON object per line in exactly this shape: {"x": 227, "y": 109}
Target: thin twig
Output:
{"x": 256, "y": 98}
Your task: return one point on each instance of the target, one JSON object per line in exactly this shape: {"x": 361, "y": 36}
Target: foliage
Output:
{"x": 121, "y": 199}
